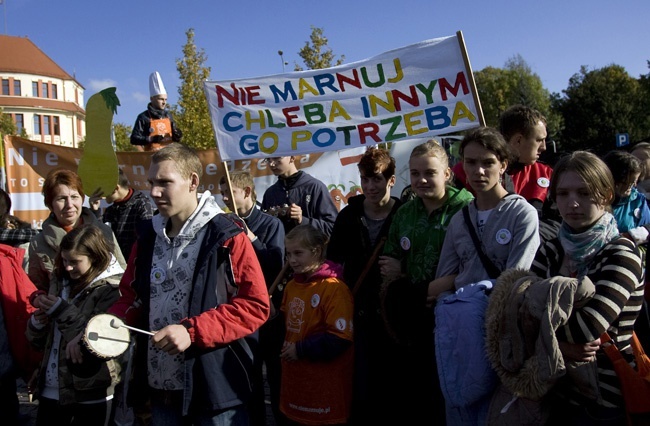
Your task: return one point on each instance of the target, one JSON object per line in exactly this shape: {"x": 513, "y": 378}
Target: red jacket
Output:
{"x": 16, "y": 288}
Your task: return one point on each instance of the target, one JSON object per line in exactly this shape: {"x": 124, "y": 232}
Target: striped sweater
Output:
{"x": 617, "y": 274}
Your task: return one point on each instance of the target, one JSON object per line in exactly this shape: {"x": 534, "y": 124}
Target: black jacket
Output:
{"x": 141, "y": 128}
{"x": 350, "y": 246}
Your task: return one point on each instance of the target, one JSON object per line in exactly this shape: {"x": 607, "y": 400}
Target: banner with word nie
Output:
{"x": 417, "y": 91}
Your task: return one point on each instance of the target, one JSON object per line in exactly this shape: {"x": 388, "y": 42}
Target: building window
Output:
{"x": 45, "y": 92}
{"x": 37, "y": 124}
{"x": 35, "y": 89}
{"x": 57, "y": 127}
{"x": 17, "y": 91}
{"x": 46, "y": 124}
{"x": 20, "y": 123}
{"x": 55, "y": 92}
{"x": 5, "y": 87}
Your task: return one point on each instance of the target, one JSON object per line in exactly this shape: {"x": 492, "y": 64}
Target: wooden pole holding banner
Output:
{"x": 230, "y": 193}
{"x": 470, "y": 76}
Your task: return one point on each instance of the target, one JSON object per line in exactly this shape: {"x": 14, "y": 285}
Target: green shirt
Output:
{"x": 415, "y": 237}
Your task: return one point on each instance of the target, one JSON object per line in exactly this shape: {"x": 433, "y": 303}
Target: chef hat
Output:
{"x": 156, "y": 86}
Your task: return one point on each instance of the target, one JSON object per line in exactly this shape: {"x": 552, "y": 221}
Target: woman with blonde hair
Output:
{"x": 409, "y": 262}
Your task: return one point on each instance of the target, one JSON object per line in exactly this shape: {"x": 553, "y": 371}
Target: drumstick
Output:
{"x": 279, "y": 278}
{"x": 118, "y": 325}
{"x": 375, "y": 254}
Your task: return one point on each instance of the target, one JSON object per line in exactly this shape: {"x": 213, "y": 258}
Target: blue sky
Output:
{"x": 120, "y": 42}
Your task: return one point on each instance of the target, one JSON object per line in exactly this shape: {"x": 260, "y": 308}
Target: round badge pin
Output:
{"x": 158, "y": 275}
{"x": 341, "y": 324}
{"x": 503, "y": 236}
{"x": 543, "y": 182}
{"x": 315, "y": 300}
{"x": 405, "y": 243}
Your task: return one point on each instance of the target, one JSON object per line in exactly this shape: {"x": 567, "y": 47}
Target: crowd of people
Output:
{"x": 394, "y": 310}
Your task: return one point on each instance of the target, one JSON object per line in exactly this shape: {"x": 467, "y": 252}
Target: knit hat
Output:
{"x": 156, "y": 86}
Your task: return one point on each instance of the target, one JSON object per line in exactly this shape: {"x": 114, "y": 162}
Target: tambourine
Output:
{"x": 106, "y": 337}
{"x": 402, "y": 306}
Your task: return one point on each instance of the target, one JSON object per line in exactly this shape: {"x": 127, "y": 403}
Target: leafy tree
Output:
{"x": 7, "y": 125}
{"x": 318, "y": 55}
{"x": 643, "y": 107}
{"x": 122, "y": 133}
{"x": 516, "y": 83}
{"x": 192, "y": 114}
{"x": 493, "y": 88}
{"x": 598, "y": 104}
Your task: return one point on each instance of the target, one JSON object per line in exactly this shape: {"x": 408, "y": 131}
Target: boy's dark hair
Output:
{"x": 6, "y": 219}
{"x": 519, "y": 119}
{"x": 122, "y": 180}
{"x": 622, "y": 165}
{"x": 377, "y": 161}
{"x": 489, "y": 139}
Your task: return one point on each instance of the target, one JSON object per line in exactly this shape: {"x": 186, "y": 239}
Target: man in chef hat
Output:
{"x": 155, "y": 128}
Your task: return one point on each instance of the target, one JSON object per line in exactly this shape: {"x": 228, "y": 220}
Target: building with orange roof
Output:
{"x": 41, "y": 98}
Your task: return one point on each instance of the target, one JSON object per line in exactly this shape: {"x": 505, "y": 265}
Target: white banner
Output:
{"x": 417, "y": 91}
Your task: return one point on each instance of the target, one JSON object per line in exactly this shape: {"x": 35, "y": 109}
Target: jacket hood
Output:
{"x": 204, "y": 212}
{"x": 356, "y": 201}
{"x": 328, "y": 269}
{"x": 53, "y": 231}
{"x": 458, "y": 196}
{"x": 524, "y": 312}
{"x": 634, "y": 194}
{"x": 114, "y": 268}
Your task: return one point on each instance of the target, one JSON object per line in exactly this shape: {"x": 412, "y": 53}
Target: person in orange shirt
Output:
{"x": 317, "y": 355}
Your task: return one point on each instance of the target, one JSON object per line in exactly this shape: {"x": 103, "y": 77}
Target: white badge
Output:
{"x": 341, "y": 324}
{"x": 315, "y": 300}
{"x": 543, "y": 182}
{"x": 158, "y": 275}
{"x": 503, "y": 236}
{"x": 405, "y": 243}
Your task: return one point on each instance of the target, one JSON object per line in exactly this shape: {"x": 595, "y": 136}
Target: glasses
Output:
{"x": 271, "y": 160}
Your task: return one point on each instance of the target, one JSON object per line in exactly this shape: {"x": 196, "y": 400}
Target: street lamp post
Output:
{"x": 282, "y": 59}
